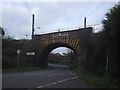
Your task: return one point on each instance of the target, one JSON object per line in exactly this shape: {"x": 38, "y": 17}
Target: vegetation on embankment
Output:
{"x": 99, "y": 53}
{"x": 96, "y": 81}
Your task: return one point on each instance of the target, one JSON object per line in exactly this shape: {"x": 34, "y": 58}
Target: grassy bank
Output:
{"x": 21, "y": 69}
{"x": 96, "y": 81}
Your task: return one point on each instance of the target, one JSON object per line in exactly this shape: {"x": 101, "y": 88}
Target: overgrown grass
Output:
{"x": 21, "y": 69}
{"x": 96, "y": 81}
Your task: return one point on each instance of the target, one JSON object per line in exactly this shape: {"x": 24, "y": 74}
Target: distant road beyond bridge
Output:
{"x": 70, "y": 39}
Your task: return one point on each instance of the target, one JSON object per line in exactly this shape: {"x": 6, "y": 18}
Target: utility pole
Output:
{"x": 85, "y": 23}
{"x": 32, "y": 42}
{"x": 107, "y": 62}
{"x": 32, "y": 26}
{"x": 107, "y": 57}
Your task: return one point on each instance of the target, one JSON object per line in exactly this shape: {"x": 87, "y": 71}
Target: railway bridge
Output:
{"x": 70, "y": 39}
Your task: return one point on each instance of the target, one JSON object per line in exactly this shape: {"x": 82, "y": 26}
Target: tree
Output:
{"x": 2, "y": 32}
{"x": 111, "y": 30}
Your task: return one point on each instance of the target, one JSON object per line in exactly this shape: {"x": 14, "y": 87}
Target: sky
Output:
{"x": 16, "y": 17}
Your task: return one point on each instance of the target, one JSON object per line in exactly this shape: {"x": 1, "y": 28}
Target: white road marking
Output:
{"x": 58, "y": 82}
{"x": 54, "y": 83}
{"x": 47, "y": 85}
{"x": 74, "y": 74}
{"x": 64, "y": 80}
{"x": 74, "y": 77}
{"x": 69, "y": 79}
{"x": 40, "y": 86}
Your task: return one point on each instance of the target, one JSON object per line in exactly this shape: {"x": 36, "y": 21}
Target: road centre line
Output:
{"x": 57, "y": 82}
{"x": 48, "y": 85}
{"x": 54, "y": 83}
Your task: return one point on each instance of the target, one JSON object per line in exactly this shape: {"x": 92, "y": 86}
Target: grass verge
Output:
{"x": 96, "y": 81}
{"x": 21, "y": 69}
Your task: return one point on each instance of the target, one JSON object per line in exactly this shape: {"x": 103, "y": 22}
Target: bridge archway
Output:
{"x": 53, "y": 46}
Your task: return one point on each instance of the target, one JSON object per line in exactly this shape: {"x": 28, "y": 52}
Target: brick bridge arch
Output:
{"x": 70, "y": 39}
{"x": 53, "y": 46}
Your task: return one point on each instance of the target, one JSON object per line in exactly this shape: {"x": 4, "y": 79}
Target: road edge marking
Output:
{"x": 57, "y": 82}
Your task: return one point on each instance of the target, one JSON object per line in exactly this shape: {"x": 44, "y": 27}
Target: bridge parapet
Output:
{"x": 64, "y": 34}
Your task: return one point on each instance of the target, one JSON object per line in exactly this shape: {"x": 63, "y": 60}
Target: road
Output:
{"x": 59, "y": 76}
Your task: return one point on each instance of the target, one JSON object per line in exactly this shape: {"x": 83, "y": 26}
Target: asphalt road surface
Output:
{"x": 59, "y": 76}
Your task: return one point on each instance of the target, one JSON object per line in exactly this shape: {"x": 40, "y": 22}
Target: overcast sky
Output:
{"x": 50, "y": 16}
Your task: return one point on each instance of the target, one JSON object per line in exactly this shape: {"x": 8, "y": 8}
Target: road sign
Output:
{"x": 30, "y": 53}
{"x": 18, "y": 51}
{"x": 18, "y": 61}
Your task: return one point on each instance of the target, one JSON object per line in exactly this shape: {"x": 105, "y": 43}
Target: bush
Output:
{"x": 9, "y": 62}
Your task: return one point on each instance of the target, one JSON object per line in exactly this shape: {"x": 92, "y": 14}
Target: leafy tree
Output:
{"x": 2, "y": 31}
{"x": 111, "y": 30}
{"x": 96, "y": 55}
{"x": 104, "y": 44}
